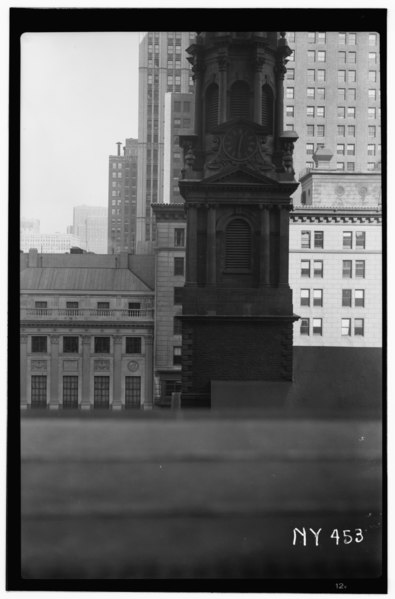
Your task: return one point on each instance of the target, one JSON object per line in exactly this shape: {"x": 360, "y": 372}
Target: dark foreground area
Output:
{"x": 201, "y": 497}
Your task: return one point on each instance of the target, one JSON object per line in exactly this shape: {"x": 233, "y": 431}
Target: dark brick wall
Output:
{"x": 233, "y": 350}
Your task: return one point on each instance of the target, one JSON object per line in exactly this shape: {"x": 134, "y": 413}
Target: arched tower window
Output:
{"x": 239, "y": 100}
{"x": 211, "y": 107}
{"x": 238, "y": 244}
{"x": 267, "y": 108}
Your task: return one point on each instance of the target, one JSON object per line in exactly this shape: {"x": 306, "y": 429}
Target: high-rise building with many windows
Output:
{"x": 122, "y": 198}
{"x": 332, "y": 99}
{"x": 163, "y": 67}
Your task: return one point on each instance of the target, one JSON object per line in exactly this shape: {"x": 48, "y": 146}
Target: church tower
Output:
{"x": 236, "y": 182}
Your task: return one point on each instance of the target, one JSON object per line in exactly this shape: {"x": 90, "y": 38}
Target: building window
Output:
{"x": 352, "y": 57}
{"x": 321, "y": 111}
{"x": 289, "y": 110}
{"x": 360, "y": 239}
{"x": 239, "y": 100}
{"x": 318, "y": 268}
{"x": 350, "y": 149}
{"x": 321, "y": 37}
{"x": 321, "y": 130}
{"x": 39, "y": 391}
{"x": 352, "y": 94}
{"x": 340, "y": 149}
{"x": 305, "y": 297}
{"x": 359, "y": 326}
{"x": 318, "y": 297}
{"x": 132, "y": 392}
{"x": 317, "y": 326}
{"x": 371, "y": 113}
{"x": 103, "y": 308}
{"x": 101, "y": 392}
{"x": 351, "y": 130}
{"x": 179, "y": 237}
{"x": 310, "y": 130}
{"x": 360, "y": 269}
{"x": 134, "y": 308}
{"x": 346, "y": 327}
{"x": 346, "y": 298}
{"x": 371, "y": 166}
{"x": 311, "y": 92}
{"x": 352, "y": 39}
{"x": 321, "y": 56}
{"x": 238, "y": 244}
{"x": 305, "y": 326}
{"x": 341, "y": 94}
{"x": 320, "y": 93}
{"x": 39, "y": 344}
{"x": 340, "y": 166}
{"x": 318, "y": 239}
{"x": 371, "y": 150}
{"x": 305, "y": 241}
{"x": 72, "y": 308}
{"x": 178, "y": 295}
{"x": 311, "y": 55}
{"x": 133, "y": 345}
{"x": 372, "y": 94}
{"x": 311, "y": 37}
{"x": 102, "y": 345}
{"x": 310, "y": 111}
{"x": 347, "y": 240}
{"x": 70, "y": 345}
{"x": 341, "y": 130}
{"x": 309, "y": 148}
{"x": 291, "y": 74}
{"x": 177, "y": 326}
{"x": 341, "y": 112}
{"x": 179, "y": 266}
{"x": 342, "y": 38}
{"x": 290, "y": 93}
{"x": 41, "y": 308}
{"x": 372, "y": 39}
{"x": 321, "y": 75}
{"x": 176, "y": 355}
{"x": 372, "y": 76}
{"x": 341, "y": 76}
{"x": 351, "y": 166}
{"x": 177, "y": 106}
{"x": 351, "y": 112}
{"x": 372, "y": 57}
{"x": 310, "y": 75}
{"x": 70, "y": 392}
{"x": 305, "y": 268}
{"x": 347, "y": 269}
{"x": 359, "y": 298}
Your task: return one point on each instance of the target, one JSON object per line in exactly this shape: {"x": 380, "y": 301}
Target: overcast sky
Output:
{"x": 79, "y": 97}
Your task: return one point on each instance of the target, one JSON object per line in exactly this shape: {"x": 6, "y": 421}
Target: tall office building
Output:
{"x": 122, "y": 198}
{"x": 163, "y": 67}
{"x": 332, "y": 99}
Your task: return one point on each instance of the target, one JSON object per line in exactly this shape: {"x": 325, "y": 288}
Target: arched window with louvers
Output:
{"x": 240, "y": 104}
{"x": 267, "y": 113}
{"x": 238, "y": 246}
{"x": 211, "y": 116}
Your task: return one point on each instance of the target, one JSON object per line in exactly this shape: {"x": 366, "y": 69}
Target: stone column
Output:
{"x": 117, "y": 374}
{"x": 191, "y": 266}
{"x": 222, "y": 100}
{"x": 148, "y": 395}
{"x": 279, "y": 116}
{"x": 54, "y": 398}
{"x": 211, "y": 245}
{"x": 86, "y": 383}
{"x": 259, "y": 60}
{"x": 198, "y": 70}
{"x": 265, "y": 246}
{"x": 284, "y": 245}
{"x": 23, "y": 371}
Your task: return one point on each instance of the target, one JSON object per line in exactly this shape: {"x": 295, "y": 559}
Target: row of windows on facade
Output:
{"x": 101, "y": 391}
{"x": 343, "y": 57}
{"x": 342, "y": 130}
{"x": 349, "y": 267}
{"x": 315, "y": 297}
{"x": 342, "y": 112}
{"x": 350, "y": 239}
{"x": 72, "y": 308}
{"x": 343, "y": 38}
{"x": 346, "y": 328}
{"x": 343, "y": 76}
{"x": 342, "y": 93}
{"x": 71, "y": 344}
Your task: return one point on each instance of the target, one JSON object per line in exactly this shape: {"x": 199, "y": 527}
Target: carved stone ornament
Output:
{"x": 100, "y": 365}
{"x": 133, "y": 366}
{"x": 39, "y": 365}
{"x": 363, "y": 191}
{"x": 339, "y": 190}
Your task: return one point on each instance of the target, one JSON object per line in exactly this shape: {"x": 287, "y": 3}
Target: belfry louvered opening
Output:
{"x": 238, "y": 245}
{"x": 211, "y": 107}
{"x": 240, "y": 100}
{"x": 267, "y": 108}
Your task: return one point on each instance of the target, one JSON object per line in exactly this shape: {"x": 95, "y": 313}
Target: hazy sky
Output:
{"x": 79, "y": 97}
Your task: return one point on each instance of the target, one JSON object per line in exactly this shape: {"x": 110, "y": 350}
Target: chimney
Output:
{"x": 33, "y": 258}
{"x": 322, "y": 158}
{"x": 119, "y": 143}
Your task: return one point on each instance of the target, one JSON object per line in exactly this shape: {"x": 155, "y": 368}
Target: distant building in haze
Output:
{"x": 29, "y": 225}
{"x": 50, "y": 243}
{"x": 90, "y": 225}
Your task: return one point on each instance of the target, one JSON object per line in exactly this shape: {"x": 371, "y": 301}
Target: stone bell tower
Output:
{"x": 236, "y": 182}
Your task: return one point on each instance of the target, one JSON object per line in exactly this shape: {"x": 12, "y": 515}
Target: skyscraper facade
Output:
{"x": 163, "y": 67}
{"x": 332, "y": 99}
{"x": 90, "y": 225}
{"x": 122, "y": 197}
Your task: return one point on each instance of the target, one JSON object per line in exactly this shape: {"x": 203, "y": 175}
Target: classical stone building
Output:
{"x": 86, "y": 331}
{"x": 237, "y": 182}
